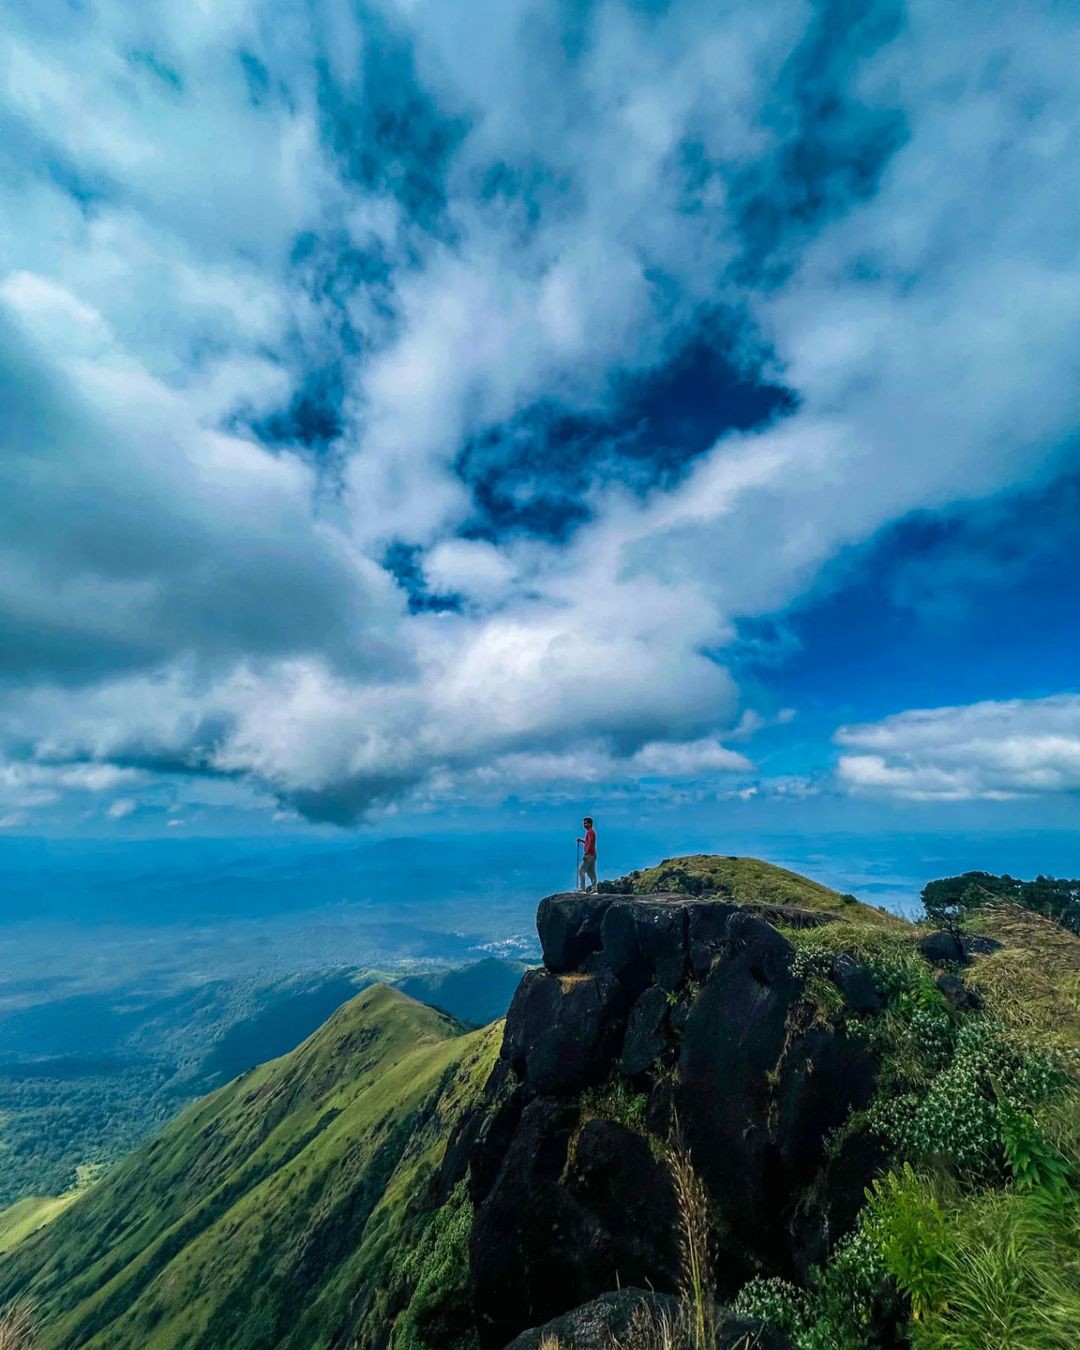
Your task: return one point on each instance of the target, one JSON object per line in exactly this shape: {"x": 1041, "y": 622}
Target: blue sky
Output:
{"x": 416, "y": 417}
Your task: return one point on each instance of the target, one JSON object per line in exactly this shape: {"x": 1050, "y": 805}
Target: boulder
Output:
{"x": 766, "y": 953}
{"x": 567, "y": 1210}
{"x": 956, "y": 991}
{"x": 943, "y": 946}
{"x": 569, "y": 928}
{"x": 644, "y": 941}
{"x": 574, "y": 1211}
{"x": 856, "y": 983}
{"x": 563, "y": 1032}
{"x": 607, "y": 1321}
{"x": 646, "y": 1032}
{"x": 600, "y": 1323}
{"x": 980, "y": 944}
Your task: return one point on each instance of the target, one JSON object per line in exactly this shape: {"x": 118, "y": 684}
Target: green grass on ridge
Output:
{"x": 26, "y": 1216}
{"x": 750, "y": 880}
{"x": 266, "y": 1215}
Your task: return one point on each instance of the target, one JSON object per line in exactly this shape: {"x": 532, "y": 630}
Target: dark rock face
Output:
{"x": 840, "y": 1195}
{"x": 706, "y": 934}
{"x": 757, "y": 1094}
{"x": 791, "y": 915}
{"x": 569, "y": 928}
{"x": 563, "y": 1224}
{"x": 943, "y": 946}
{"x": 692, "y": 1005}
{"x": 646, "y": 1032}
{"x": 563, "y": 1031}
{"x": 646, "y": 943}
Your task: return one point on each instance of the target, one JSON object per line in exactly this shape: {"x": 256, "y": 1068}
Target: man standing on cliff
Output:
{"x": 588, "y": 861}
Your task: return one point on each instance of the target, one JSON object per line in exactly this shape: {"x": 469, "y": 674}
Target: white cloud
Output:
{"x": 691, "y": 759}
{"x": 991, "y": 750}
{"x": 180, "y": 596}
{"x": 471, "y": 567}
{"x": 121, "y": 807}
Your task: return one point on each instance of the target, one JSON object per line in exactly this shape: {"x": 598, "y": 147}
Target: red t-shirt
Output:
{"x": 590, "y": 841}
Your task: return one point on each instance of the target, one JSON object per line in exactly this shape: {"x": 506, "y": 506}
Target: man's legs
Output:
{"x": 588, "y": 867}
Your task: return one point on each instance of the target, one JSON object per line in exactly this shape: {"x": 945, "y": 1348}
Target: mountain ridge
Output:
{"x": 818, "y": 1073}
{"x": 318, "y": 1138}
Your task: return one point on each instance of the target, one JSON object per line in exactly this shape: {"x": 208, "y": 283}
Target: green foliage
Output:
{"x": 950, "y": 899}
{"x": 948, "y": 905}
{"x": 844, "y": 1298}
{"x": 903, "y": 1220}
{"x": 49, "y": 1126}
{"x": 839, "y": 1308}
{"x": 812, "y": 956}
{"x": 956, "y": 1115}
{"x": 890, "y": 954}
{"x": 28, "y": 1215}
{"x": 438, "y": 1315}
{"x": 1035, "y": 1164}
{"x": 615, "y": 1101}
{"x": 978, "y": 1223}
{"x": 1012, "y": 1275}
{"x": 773, "y": 1300}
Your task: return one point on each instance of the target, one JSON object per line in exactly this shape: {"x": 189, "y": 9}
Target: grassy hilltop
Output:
{"x": 747, "y": 881}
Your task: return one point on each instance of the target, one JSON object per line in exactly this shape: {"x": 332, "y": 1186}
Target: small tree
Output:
{"x": 949, "y": 901}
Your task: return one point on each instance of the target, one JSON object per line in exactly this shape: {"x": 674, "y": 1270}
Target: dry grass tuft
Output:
{"x": 697, "y": 1280}
{"x": 17, "y": 1331}
{"x": 1033, "y": 983}
{"x": 649, "y": 1331}
{"x": 692, "y": 1323}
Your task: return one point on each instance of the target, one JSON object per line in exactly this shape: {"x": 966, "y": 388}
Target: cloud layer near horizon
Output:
{"x": 294, "y": 291}
{"x": 993, "y": 750}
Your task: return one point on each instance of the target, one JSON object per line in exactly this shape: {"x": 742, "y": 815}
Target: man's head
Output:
{"x": 587, "y": 822}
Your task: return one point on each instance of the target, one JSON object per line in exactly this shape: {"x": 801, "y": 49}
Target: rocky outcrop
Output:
{"x": 577, "y": 1206}
{"x": 611, "y": 1318}
{"x": 654, "y": 1018}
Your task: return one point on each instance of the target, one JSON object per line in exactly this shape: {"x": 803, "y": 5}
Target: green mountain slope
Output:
{"x": 28, "y": 1215}
{"x": 269, "y": 1214}
{"x": 747, "y": 881}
